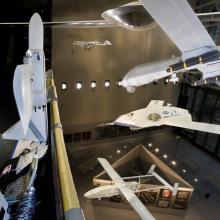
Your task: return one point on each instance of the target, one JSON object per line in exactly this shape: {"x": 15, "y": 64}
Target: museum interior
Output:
{"x": 116, "y": 116}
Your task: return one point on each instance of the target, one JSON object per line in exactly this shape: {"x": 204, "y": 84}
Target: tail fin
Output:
{"x": 16, "y": 132}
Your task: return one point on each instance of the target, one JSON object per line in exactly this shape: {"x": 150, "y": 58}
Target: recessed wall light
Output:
{"x": 93, "y": 84}
{"x": 107, "y": 83}
{"x": 118, "y": 151}
{"x": 78, "y": 85}
{"x": 150, "y": 144}
{"x": 119, "y": 83}
{"x": 183, "y": 170}
{"x": 157, "y": 150}
{"x": 165, "y": 156}
{"x": 166, "y": 80}
{"x": 196, "y": 180}
{"x": 173, "y": 162}
{"x": 64, "y": 86}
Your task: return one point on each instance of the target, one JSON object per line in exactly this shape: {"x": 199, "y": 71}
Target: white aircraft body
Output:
{"x": 29, "y": 87}
{"x": 156, "y": 114}
{"x": 128, "y": 189}
{"x": 90, "y": 44}
{"x": 181, "y": 24}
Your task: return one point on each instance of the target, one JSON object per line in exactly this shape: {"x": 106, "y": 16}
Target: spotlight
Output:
{"x": 78, "y": 85}
{"x": 118, "y": 151}
{"x": 119, "y": 83}
{"x": 184, "y": 171}
{"x": 93, "y": 84}
{"x": 196, "y": 180}
{"x": 107, "y": 83}
{"x": 157, "y": 150}
{"x": 165, "y": 156}
{"x": 150, "y": 144}
{"x": 166, "y": 80}
{"x": 64, "y": 86}
{"x": 173, "y": 162}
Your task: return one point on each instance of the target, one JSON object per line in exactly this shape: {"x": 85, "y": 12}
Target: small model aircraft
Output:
{"x": 29, "y": 87}
{"x": 90, "y": 44}
{"x": 128, "y": 189}
{"x": 199, "y": 51}
{"x": 156, "y": 114}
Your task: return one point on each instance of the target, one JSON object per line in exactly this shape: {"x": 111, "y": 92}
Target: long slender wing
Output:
{"x": 199, "y": 126}
{"x": 136, "y": 204}
{"x": 180, "y": 23}
{"x": 110, "y": 171}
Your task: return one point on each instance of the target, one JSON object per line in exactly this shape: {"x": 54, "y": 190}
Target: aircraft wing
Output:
{"x": 136, "y": 204}
{"x": 110, "y": 171}
{"x": 23, "y": 94}
{"x": 181, "y": 24}
{"x": 199, "y": 126}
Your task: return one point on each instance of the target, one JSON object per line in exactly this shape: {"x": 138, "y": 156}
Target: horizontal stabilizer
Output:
{"x": 16, "y": 132}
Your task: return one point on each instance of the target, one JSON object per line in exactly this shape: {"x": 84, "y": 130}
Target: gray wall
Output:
{"x": 129, "y": 48}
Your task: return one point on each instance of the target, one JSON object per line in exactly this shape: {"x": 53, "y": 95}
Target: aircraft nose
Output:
{"x": 124, "y": 83}
{"x": 88, "y": 194}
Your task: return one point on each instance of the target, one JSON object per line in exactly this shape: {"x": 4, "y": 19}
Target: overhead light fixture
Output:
{"x": 78, "y": 85}
{"x": 196, "y": 180}
{"x": 64, "y": 86}
{"x": 93, "y": 84}
{"x": 165, "y": 156}
{"x": 150, "y": 144}
{"x": 184, "y": 171}
{"x": 118, "y": 151}
{"x": 173, "y": 162}
{"x": 157, "y": 150}
{"x": 107, "y": 83}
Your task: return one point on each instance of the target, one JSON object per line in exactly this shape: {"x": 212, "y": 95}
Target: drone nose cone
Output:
{"x": 88, "y": 194}
{"x": 124, "y": 83}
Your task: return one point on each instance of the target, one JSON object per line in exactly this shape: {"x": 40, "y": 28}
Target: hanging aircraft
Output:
{"x": 181, "y": 24}
{"x": 90, "y": 44}
{"x": 156, "y": 114}
{"x": 29, "y": 87}
{"x": 128, "y": 189}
